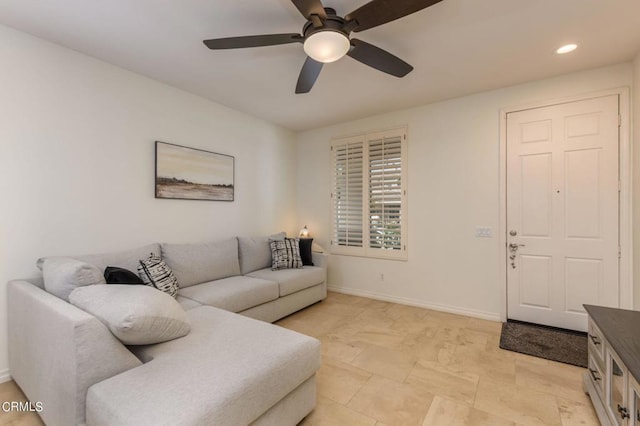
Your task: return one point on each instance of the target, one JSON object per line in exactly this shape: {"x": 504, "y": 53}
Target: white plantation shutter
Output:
{"x": 369, "y": 195}
{"x": 348, "y": 229}
{"x": 385, "y": 193}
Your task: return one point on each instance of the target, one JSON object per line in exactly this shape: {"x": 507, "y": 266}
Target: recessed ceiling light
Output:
{"x": 566, "y": 49}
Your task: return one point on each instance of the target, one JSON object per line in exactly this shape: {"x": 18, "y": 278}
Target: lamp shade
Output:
{"x": 304, "y": 232}
{"x": 327, "y": 46}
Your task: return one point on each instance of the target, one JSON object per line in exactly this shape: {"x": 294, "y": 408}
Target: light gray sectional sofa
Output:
{"x": 229, "y": 370}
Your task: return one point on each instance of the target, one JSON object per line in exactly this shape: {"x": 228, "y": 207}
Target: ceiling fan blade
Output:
{"x": 378, "y": 12}
{"x": 310, "y": 7}
{"x": 308, "y": 76}
{"x": 379, "y": 59}
{"x": 253, "y": 41}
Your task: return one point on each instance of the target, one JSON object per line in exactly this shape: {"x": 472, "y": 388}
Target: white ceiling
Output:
{"x": 457, "y": 47}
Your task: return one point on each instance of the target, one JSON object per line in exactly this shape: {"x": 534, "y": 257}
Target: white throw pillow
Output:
{"x": 62, "y": 275}
{"x": 135, "y": 314}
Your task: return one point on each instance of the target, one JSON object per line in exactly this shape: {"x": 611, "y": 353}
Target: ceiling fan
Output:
{"x": 325, "y": 36}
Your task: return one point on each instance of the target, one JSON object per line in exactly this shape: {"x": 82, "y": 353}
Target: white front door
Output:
{"x": 562, "y": 211}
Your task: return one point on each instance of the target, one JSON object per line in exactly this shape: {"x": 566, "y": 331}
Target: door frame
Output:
{"x": 625, "y": 175}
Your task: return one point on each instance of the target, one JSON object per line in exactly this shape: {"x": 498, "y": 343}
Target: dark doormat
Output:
{"x": 546, "y": 342}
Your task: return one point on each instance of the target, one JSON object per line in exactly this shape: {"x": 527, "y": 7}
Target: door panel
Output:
{"x": 536, "y": 281}
{"x": 535, "y": 191}
{"x": 562, "y": 203}
{"x": 583, "y": 278}
{"x": 536, "y": 131}
{"x": 582, "y": 193}
{"x": 582, "y": 125}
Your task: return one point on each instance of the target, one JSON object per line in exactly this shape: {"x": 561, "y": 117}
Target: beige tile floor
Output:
{"x": 9, "y": 391}
{"x": 390, "y": 364}
{"x": 386, "y": 364}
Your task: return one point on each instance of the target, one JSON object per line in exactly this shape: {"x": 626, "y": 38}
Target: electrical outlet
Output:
{"x": 484, "y": 232}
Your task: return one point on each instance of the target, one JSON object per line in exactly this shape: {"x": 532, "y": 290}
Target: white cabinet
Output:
{"x": 634, "y": 397}
{"x": 611, "y": 384}
{"x": 617, "y": 385}
{"x": 597, "y": 366}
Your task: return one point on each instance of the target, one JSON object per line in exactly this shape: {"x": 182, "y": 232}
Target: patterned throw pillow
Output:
{"x": 154, "y": 272}
{"x": 285, "y": 253}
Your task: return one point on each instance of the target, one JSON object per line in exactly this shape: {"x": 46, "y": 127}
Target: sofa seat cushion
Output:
{"x": 228, "y": 371}
{"x": 292, "y": 280}
{"x": 233, "y": 294}
{"x": 187, "y": 303}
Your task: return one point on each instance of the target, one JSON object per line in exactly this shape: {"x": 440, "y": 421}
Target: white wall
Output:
{"x": 77, "y": 162}
{"x": 636, "y": 178}
{"x": 453, "y": 187}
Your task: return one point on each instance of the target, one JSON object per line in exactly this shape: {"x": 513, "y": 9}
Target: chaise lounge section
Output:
{"x": 229, "y": 369}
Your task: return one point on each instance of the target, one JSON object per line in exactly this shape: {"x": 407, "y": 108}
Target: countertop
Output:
{"x": 621, "y": 328}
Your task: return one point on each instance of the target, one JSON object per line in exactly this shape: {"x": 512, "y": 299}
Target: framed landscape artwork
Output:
{"x": 193, "y": 174}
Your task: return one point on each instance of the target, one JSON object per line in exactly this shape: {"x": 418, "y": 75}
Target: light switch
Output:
{"x": 484, "y": 232}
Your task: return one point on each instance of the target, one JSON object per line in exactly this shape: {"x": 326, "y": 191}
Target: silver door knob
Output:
{"x": 513, "y": 232}
{"x": 514, "y": 246}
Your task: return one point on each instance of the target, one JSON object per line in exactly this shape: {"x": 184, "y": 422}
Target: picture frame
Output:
{"x": 184, "y": 173}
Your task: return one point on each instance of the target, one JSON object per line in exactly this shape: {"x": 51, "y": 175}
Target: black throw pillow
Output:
{"x": 305, "y": 251}
{"x": 115, "y": 275}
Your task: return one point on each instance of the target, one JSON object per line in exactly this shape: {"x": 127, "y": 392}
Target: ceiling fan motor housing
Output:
{"x": 332, "y": 23}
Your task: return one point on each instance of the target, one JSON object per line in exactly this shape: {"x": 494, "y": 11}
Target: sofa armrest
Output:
{"x": 320, "y": 259}
{"x": 57, "y": 351}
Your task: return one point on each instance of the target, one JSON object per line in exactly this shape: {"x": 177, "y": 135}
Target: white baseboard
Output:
{"x": 490, "y": 316}
{"x": 5, "y": 376}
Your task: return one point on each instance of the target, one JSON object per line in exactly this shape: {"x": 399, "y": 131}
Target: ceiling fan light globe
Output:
{"x": 326, "y": 46}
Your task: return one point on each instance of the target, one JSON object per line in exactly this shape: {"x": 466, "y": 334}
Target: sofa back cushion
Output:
{"x": 255, "y": 253}
{"x": 198, "y": 263}
{"x": 127, "y": 259}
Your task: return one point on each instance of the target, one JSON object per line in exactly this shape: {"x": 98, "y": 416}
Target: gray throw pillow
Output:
{"x": 135, "y": 314}
{"x": 62, "y": 275}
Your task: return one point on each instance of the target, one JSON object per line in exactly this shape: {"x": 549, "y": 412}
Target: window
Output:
{"x": 369, "y": 195}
